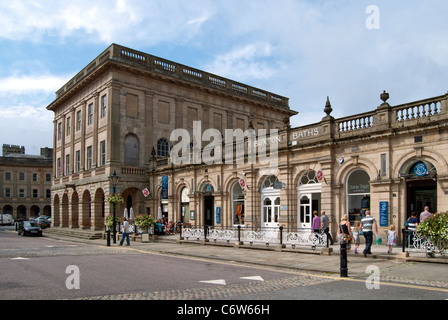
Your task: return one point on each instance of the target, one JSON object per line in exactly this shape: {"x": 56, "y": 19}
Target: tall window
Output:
{"x": 58, "y": 167}
{"x": 102, "y": 153}
{"x": 90, "y": 114}
{"x": 103, "y": 106}
{"x": 237, "y": 204}
{"x": 78, "y": 161}
{"x": 59, "y": 131}
{"x": 78, "y": 120}
{"x": 67, "y": 164}
{"x": 89, "y": 158}
{"x": 163, "y": 148}
{"x": 68, "y": 126}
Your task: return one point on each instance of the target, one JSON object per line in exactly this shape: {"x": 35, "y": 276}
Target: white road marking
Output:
{"x": 220, "y": 282}
{"x": 255, "y": 278}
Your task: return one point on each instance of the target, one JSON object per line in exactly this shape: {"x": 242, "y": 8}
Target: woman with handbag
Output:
{"x": 345, "y": 232}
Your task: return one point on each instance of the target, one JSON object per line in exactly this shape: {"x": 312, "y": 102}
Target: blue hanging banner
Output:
{"x": 218, "y": 215}
{"x": 164, "y": 187}
{"x": 384, "y": 213}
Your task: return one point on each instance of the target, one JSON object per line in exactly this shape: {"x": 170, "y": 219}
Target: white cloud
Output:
{"x": 102, "y": 20}
{"x": 252, "y": 61}
{"x": 31, "y": 84}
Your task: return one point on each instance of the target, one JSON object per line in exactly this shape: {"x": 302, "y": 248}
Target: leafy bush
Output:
{"x": 435, "y": 229}
{"x": 144, "y": 221}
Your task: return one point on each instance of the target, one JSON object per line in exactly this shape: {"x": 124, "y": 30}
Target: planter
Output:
{"x": 145, "y": 237}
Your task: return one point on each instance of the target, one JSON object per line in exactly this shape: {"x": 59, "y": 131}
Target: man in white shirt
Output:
{"x": 125, "y": 233}
{"x": 367, "y": 224}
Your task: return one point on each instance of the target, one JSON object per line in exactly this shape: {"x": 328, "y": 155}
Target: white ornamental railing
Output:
{"x": 414, "y": 243}
{"x": 250, "y": 235}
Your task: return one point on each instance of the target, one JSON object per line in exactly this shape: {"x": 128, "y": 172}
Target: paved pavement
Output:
{"x": 417, "y": 269}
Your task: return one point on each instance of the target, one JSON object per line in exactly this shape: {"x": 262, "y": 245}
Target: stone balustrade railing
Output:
{"x": 176, "y": 70}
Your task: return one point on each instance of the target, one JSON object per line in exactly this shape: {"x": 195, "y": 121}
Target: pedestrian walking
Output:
{"x": 391, "y": 238}
{"x": 411, "y": 227}
{"x": 368, "y": 223}
{"x": 356, "y": 240}
{"x": 125, "y": 233}
{"x": 325, "y": 226}
{"x": 316, "y": 222}
{"x": 345, "y": 232}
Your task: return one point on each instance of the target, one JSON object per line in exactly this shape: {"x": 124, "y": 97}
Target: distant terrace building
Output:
{"x": 118, "y": 113}
{"x": 25, "y": 182}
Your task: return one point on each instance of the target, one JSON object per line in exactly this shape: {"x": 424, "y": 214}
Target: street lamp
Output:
{"x": 114, "y": 179}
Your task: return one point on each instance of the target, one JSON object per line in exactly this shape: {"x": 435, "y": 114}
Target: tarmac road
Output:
{"x": 36, "y": 268}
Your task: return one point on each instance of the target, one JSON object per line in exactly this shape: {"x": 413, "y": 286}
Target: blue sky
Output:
{"x": 305, "y": 50}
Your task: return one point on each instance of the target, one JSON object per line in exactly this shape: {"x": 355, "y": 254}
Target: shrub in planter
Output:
{"x": 144, "y": 221}
{"x": 435, "y": 229}
{"x": 109, "y": 221}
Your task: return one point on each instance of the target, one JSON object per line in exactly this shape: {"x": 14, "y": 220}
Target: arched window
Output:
{"x": 358, "y": 194}
{"x": 308, "y": 178}
{"x": 131, "y": 150}
{"x": 269, "y": 182}
{"x": 163, "y": 148}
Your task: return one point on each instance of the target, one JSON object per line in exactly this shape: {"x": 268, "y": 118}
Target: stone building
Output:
{"x": 119, "y": 112}
{"x": 25, "y": 182}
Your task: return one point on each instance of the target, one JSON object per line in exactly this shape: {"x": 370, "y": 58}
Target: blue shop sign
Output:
{"x": 384, "y": 213}
{"x": 420, "y": 169}
{"x": 218, "y": 215}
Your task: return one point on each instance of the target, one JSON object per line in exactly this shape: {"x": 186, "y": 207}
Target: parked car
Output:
{"x": 6, "y": 219}
{"x": 29, "y": 228}
{"x": 42, "y": 222}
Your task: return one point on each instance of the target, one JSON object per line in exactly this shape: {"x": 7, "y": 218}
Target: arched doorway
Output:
{"x": 309, "y": 198}
{"x": 209, "y": 204}
{"x": 270, "y": 201}
{"x": 421, "y": 185}
{"x": 238, "y": 208}
{"x": 185, "y": 205}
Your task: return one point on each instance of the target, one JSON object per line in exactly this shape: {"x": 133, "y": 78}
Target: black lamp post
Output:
{"x": 114, "y": 179}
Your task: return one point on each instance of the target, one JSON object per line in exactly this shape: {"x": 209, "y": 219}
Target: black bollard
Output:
{"x": 108, "y": 237}
{"x": 343, "y": 268}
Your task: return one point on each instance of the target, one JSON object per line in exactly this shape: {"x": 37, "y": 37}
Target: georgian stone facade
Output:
{"x": 119, "y": 112}
{"x": 25, "y": 182}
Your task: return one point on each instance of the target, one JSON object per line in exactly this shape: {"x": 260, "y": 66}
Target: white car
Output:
{"x": 6, "y": 219}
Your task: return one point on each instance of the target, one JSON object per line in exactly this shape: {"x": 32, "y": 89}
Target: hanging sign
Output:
{"x": 164, "y": 187}
{"x": 384, "y": 213}
{"x": 145, "y": 192}
{"x": 242, "y": 182}
{"x": 420, "y": 169}
{"x": 218, "y": 215}
{"x": 320, "y": 175}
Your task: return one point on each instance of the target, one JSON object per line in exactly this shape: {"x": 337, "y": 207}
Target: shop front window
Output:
{"x": 358, "y": 194}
